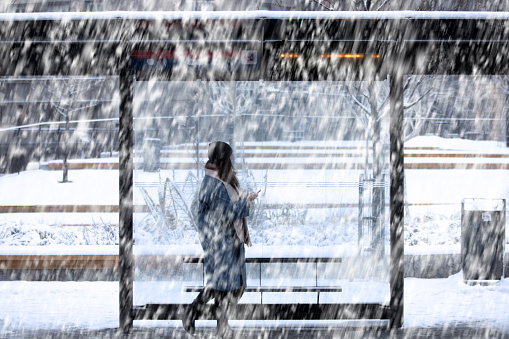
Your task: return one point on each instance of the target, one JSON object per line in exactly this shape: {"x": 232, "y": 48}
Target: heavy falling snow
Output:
{"x": 328, "y": 117}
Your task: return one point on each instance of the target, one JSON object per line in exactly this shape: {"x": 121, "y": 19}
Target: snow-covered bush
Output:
{"x": 433, "y": 229}
{"x": 19, "y": 234}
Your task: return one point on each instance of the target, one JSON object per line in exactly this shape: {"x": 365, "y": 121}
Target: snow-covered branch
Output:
{"x": 84, "y": 107}
{"x": 363, "y": 119}
{"x": 503, "y": 83}
{"x": 384, "y": 3}
{"x": 360, "y": 104}
{"x": 415, "y": 88}
{"x": 419, "y": 99}
{"x": 384, "y": 104}
{"x": 61, "y": 110}
{"x": 322, "y": 5}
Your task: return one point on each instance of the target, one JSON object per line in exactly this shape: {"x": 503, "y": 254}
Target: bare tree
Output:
{"x": 232, "y": 99}
{"x": 370, "y": 104}
{"x": 370, "y": 5}
{"x": 64, "y": 95}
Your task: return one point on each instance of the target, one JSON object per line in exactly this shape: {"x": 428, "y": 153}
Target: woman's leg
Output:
{"x": 223, "y": 301}
{"x": 195, "y": 309}
{"x": 221, "y": 305}
{"x": 201, "y": 300}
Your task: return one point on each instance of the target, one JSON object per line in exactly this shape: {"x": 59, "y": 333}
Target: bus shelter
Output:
{"x": 252, "y": 47}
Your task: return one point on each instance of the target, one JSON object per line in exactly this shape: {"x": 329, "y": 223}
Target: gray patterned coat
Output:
{"x": 224, "y": 256}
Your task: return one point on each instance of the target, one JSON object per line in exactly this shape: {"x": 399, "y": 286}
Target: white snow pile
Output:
{"x": 446, "y": 302}
{"x": 457, "y": 144}
{"x": 433, "y": 229}
{"x": 19, "y": 234}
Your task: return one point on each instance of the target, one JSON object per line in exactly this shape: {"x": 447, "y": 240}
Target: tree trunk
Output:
{"x": 66, "y": 150}
{"x": 378, "y": 187}
{"x": 375, "y": 129}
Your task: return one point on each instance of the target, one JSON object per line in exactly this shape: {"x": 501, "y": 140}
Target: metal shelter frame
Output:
{"x": 102, "y": 43}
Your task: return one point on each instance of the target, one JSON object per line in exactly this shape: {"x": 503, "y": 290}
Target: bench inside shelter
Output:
{"x": 269, "y": 305}
{"x": 262, "y": 288}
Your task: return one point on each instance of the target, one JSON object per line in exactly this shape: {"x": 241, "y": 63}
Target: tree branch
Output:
{"x": 83, "y": 107}
{"x": 419, "y": 82}
{"x": 363, "y": 121}
{"x": 382, "y": 5}
{"x": 58, "y": 108}
{"x": 407, "y": 84}
{"x": 503, "y": 82}
{"x": 319, "y": 3}
{"x": 87, "y": 86}
{"x": 418, "y": 100}
{"x": 382, "y": 106}
{"x": 366, "y": 109}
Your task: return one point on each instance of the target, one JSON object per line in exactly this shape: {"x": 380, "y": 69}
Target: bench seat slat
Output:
{"x": 199, "y": 260}
{"x": 276, "y": 289}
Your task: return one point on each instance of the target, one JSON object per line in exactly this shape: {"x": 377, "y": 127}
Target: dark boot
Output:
{"x": 224, "y": 331}
{"x": 195, "y": 309}
{"x": 188, "y": 317}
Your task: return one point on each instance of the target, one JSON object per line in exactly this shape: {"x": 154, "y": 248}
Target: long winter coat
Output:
{"x": 224, "y": 256}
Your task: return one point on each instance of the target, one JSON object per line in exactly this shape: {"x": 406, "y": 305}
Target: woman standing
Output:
{"x": 222, "y": 230}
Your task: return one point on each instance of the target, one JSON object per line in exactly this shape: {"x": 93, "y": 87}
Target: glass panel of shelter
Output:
{"x": 456, "y": 150}
{"x": 58, "y": 156}
{"x": 303, "y": 144}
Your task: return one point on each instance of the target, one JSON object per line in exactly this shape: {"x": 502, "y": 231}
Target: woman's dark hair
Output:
{"x": 220, "y": 160}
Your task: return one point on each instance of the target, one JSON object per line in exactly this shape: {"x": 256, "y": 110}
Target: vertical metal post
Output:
{"x": 260, "y": 274}
{"x": 397, "y": 200}
{"x": 126, "y": 202}
{"x": 316, "y": 275}
{"x": 361, "y": 213}
{"x": 382, "y": 217}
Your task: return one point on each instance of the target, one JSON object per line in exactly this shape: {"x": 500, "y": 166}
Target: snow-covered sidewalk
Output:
{"x": 62, "y": 306}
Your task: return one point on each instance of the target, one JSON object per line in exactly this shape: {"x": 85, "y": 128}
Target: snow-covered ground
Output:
{"x": 94, "y": 305}
{"x": 432, "y": 226}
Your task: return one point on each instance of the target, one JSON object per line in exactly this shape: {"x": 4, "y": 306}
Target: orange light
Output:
{"x": 289, "y": 55}
{"x": 350, "y": 56}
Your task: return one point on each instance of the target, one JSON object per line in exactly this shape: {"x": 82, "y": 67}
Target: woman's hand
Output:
{"x": 252, "y": 196}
